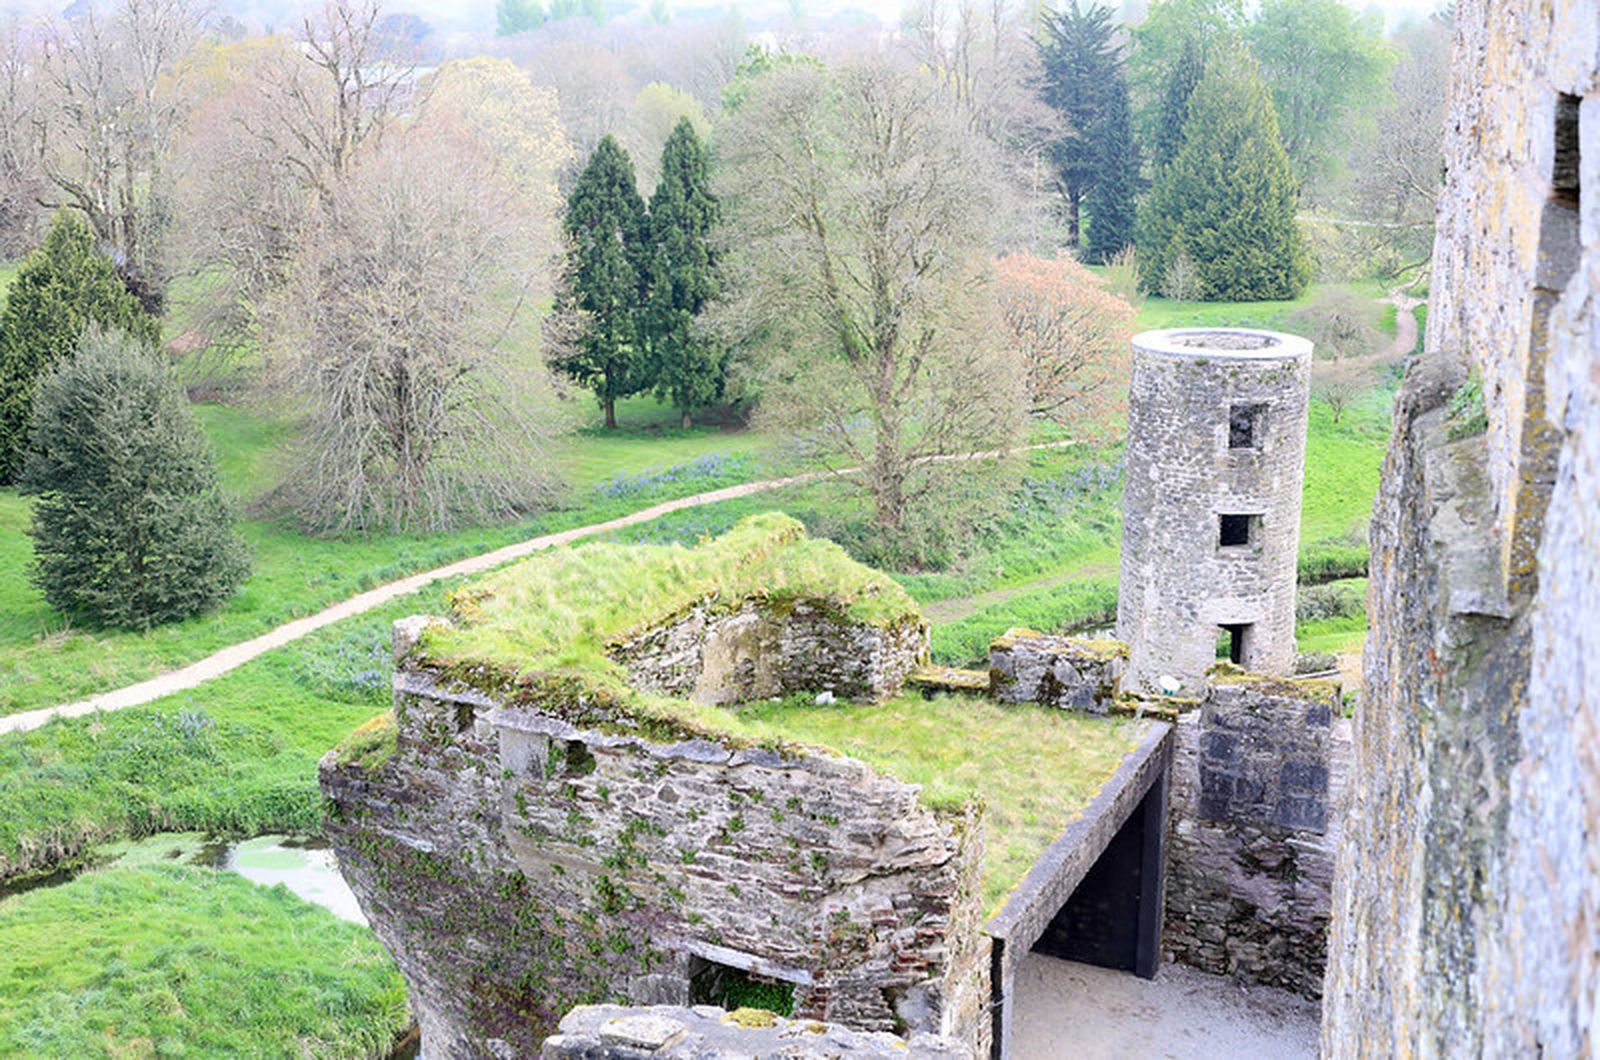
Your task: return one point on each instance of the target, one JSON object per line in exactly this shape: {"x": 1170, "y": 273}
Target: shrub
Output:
{"x": 131, "y": 527}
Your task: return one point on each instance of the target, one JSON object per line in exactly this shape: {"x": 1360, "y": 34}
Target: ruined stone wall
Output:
{"x": 666, "y": 1032}
{"x": 761, "y": 649}
{"x": 1069, "y": 673}
{"x": 1467, "y": 895}
{"x": 1250, "y": 838}
{"x": 1178, "y": 583}
{"x": 517, "y": 863}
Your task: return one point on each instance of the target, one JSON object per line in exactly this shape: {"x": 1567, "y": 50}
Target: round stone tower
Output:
{"x": 1211, "y": 503}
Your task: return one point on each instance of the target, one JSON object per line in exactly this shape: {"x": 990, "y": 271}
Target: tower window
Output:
{"x": 1233, "y": 642}
{"x": 1236, "y": 530}
{"x": 1244, "y": 426}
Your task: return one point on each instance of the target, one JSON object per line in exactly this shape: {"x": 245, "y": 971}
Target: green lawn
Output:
{"x": 1165, "y": 313}
{"x": 171, "y": 960}
{"x": 44, "y": 661}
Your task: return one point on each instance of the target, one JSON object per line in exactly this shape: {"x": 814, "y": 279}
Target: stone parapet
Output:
{"x": 1071, "y": 673}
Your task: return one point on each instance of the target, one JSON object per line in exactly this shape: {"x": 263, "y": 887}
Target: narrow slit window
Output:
{"x": 1234, "y": 530}
{"x": 1244, "y": 426}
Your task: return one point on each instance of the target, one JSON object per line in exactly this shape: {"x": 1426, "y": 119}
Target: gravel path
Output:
{"x": 236, "y": 655}
{"x": 1080, "y": 1012}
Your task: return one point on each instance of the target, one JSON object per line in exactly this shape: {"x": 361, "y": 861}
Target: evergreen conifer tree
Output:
{"x": 593, "y": 336}
{"x": 1080, "y": 60}
{"x": 689, "y": 367}
{"x": 1228, "y": 199}
{"x": 1111, "y": 199}
{"x": 1181, "y": 82}
{"x": 131, "y": 527}
{"x": 62, "y": 286}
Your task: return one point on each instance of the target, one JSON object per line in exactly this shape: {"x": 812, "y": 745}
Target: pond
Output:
{"x": 304, "y": 865}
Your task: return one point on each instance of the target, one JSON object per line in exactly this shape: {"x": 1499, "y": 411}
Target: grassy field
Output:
{"x": 171, "y": 960}
{"x": 44, "y": 660}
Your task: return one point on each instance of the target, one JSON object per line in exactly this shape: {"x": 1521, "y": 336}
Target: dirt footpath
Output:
{"x": 1076, "y": 1011}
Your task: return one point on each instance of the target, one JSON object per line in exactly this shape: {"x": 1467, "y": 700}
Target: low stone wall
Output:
{"x": 517, "y": 864}
{"x": 1256, "y": 778}
{"x": 763, "y": 649}
{"x": 1066, "y": 672}
{"x": 592, "y": 1032}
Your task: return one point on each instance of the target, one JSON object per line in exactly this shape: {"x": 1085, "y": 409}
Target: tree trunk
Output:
{"x": 611, "y": 414}
{"x": 687, "y": 421}
{"x": 1072, "y": 218}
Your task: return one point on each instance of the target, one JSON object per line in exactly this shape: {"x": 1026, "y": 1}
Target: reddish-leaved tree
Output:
{"x": 1073, "y": 336}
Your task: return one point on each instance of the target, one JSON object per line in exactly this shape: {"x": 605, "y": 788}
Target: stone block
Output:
{"x": 1065, "y": 672}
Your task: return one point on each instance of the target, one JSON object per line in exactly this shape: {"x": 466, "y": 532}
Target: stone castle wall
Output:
{"x": 1178, "y": 583}
{"x": 1467, "y": 895}
{"x": 1256, "y": 773}
{"x": 517, "y": 862}
{"x": 757, "y": 650}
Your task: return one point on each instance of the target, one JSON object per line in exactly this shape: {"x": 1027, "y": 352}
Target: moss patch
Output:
{"x": 370, "y": 744}
{"x": 557, "y": 612}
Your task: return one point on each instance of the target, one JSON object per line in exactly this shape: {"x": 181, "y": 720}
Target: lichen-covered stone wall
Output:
{"x": 1066, "y": 672}
{"x": 521, "y": 855}
{"x": 1467, "y": 894}
{"x": 758, "y": 650}
{"x": 1178, "y": 583}
{"x": 1250, "y": 838}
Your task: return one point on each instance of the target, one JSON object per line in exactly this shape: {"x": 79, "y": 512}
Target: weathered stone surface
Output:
{"x": 759, "y": 650}
{"x": 1468, "y": 887}
{"x": 1178, "y": 584}
{"x": 610, "y": 1032}
{"x": 516, "y": 863}
{"x": 1250, "y": 841}
{"x": 1066, "y": 672}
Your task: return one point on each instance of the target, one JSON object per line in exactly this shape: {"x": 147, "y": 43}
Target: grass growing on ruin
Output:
{"x": 1033, "y": 768}
{"x": 171, "y": 960}
{"x": 557, "y": 611}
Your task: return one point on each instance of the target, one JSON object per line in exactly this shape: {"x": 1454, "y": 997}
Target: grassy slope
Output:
{"x": 44, "y": 661}
{"x": 170, "y": 959}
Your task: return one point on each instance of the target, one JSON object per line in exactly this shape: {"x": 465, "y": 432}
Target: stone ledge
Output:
{"x": 704, "y": 1032}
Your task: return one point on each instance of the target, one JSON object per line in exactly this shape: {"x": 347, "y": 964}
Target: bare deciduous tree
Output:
{"x": 22, "y": 176}
{"x": 862, "y": 212}
{"x": 389, "y": 334}
{"x": 113, "y": 104}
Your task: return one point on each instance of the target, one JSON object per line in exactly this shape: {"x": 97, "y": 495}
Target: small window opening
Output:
{"x": 570, "y": 756}
{"x": 1565, "y": 177}
{"x": 1231, "y": 645}
{"x": 1235, "y": 530}
{"x": 1244, "y": 426}
{"x": 711, "y": 983}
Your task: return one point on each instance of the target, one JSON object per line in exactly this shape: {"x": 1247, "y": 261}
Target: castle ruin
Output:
{"x": 1211, "y": 501}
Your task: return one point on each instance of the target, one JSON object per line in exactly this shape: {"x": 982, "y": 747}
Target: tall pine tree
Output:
{"x": 62, "y": 287}
{"x": 1227, "y": 200}
{"x": 1080, "y": 60}
{"x": 593, "y": 335}
{"x": 1181, "y": 82}
{"x": 1110, "y": 203}
{"x": 689, "y": 367}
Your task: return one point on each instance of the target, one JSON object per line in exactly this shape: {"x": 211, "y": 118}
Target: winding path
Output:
{"x": 236, "y": 655}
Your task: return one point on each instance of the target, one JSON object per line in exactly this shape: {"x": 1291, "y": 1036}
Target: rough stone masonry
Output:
{"x": 1467, "y": 896}
{"x": 1211, "y": 501}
